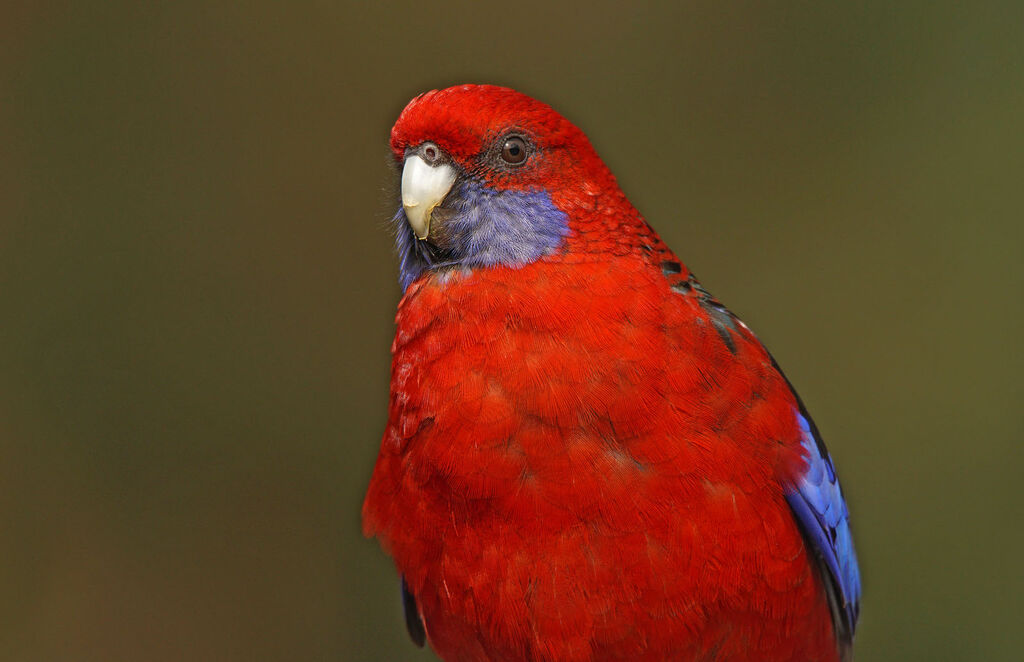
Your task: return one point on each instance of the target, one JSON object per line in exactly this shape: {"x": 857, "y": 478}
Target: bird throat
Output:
{"x": 478, "y": 227}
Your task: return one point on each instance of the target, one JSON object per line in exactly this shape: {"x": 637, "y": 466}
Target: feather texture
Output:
{"x": 818, "y": 504}
{"x": 587, "y": 457}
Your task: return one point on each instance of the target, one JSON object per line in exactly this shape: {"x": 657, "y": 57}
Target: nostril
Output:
{"x": 430, "y": 153}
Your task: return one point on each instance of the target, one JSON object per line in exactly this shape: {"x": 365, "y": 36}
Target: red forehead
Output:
{"x": 463, "y": 120}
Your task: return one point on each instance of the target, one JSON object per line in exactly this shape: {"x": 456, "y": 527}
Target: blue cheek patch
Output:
{"x": 484, "y": 227}
{"x": 413, "y": 260}
{"x": 818, "y": 505}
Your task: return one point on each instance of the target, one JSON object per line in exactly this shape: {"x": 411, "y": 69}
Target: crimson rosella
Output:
{"x": 587, "y": 456}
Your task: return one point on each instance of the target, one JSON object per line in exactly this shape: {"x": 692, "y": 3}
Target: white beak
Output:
{"x": 423, "y": 188}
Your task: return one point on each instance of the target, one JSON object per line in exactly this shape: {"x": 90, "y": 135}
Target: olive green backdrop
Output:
{"x": 197, "y": 289}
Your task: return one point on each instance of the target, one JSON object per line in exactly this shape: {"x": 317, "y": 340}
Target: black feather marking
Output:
{"x": 682, "y": 287}
{"x": 413, "y": 622}
{"x": 723, "y": 320}
{"x": 723, "y": 333}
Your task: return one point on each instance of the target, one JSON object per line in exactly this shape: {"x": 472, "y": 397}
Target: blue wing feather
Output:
{"x": 820, "y": 510}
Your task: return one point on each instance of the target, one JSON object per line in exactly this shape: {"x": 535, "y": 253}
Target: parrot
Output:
{"x": 587, "y": 457}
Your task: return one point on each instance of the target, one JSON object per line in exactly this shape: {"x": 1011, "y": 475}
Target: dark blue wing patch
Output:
{"x": 820, "y": 511}
{"x": 413, "y": 622}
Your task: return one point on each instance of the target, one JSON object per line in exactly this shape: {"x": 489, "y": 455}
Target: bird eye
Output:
{"x": 513, "y": 151}
{"x": 429, "y": 152}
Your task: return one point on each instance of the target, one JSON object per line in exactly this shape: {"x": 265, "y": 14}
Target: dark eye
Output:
{"x": 514, "y": 150}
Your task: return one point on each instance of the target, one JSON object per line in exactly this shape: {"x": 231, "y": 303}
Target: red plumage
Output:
{"x": 578, "y": 465}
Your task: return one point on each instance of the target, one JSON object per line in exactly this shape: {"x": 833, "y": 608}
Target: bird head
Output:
{"x": 489, "y": 177}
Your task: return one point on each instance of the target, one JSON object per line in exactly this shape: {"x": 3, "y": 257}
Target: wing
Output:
{"x": 413, "y": 621}
{"x": 816, "y": 499}
{"x": 820, "y": 511}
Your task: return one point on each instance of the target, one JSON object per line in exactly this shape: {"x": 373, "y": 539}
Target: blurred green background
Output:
{"x": 197, "y": 288}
